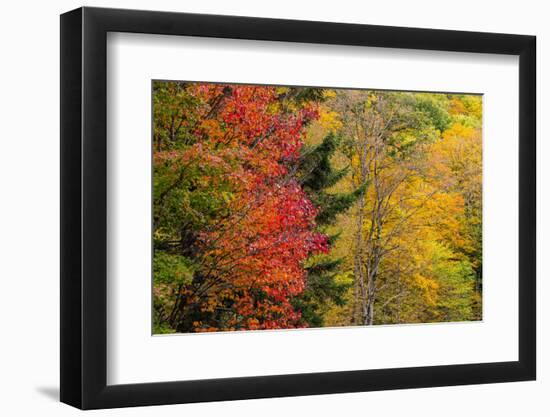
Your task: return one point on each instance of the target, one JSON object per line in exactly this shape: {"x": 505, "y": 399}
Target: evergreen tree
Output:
{"x": 317, "y": 175}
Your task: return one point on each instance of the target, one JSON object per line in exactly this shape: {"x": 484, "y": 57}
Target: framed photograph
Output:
{"x": 257, "y": 208}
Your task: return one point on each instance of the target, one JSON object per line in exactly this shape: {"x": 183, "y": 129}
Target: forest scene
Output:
{"x": 296, "y": 207}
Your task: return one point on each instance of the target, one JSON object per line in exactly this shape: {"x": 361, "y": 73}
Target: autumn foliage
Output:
{"x": 251, "y": 225}
{"x": 256, "y": 189}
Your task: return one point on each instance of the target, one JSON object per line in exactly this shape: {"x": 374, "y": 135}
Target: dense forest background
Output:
{"x": 284, "y": 207}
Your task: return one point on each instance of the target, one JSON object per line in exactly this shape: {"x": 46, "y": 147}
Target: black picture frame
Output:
{"x": 84, "y": 207}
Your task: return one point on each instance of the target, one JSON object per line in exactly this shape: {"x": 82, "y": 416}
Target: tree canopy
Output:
{"x": 288, "y": 207}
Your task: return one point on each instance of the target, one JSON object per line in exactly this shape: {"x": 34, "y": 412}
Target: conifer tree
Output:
{"x": 317, "y": 176}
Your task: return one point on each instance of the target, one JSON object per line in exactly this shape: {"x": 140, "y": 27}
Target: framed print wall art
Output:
{"x": 257, "y": 208}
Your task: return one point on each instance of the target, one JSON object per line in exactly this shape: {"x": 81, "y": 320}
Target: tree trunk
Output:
{"x": 370, "y": 297}
{"x": 359, "y": 293}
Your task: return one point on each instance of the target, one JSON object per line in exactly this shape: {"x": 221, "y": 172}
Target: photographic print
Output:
{"x": 287, "y": 207}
